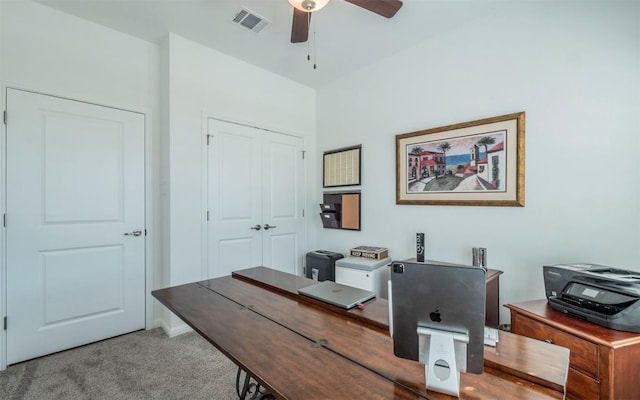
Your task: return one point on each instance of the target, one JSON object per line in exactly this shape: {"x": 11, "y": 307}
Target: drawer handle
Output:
{"x": 549, "y": 341}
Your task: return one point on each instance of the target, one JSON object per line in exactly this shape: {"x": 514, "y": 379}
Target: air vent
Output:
{"x": 250, "y": 20}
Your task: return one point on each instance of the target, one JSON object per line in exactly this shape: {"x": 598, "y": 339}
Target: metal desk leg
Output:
{"x": 250, "y": 390}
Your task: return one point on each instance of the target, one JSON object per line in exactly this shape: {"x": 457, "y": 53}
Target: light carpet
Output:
{"x": 139, "y": 365}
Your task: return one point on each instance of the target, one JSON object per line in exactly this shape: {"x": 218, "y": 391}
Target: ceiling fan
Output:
{"x": 302, "y": 10}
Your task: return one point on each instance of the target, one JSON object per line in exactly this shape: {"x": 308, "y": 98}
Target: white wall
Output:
{"x": 53, "y": 52}
{"x": 206, "y": 82}
{"x": 574, "y": 68}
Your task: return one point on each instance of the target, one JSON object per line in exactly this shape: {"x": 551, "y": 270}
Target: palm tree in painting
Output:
{"x": 486, "y": 141}
{"x": 444, "y": 147}
{"x": 416, "y": 150}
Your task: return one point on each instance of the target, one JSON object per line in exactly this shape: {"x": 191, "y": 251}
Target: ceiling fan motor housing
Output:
{"x": 309, "y": 5}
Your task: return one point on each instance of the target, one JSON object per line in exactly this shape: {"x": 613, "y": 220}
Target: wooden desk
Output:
{"x": 604, "y": 363}
{"x": 302, "y": 349}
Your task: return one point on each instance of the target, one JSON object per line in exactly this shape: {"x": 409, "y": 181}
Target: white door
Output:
{"x": 75, "y": 187}
{"x": 282, "y": 202}
{"x": 255, "y": 199}
{"x": 234, "y": 197}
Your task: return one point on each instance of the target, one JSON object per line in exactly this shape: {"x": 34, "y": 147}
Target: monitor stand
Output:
{"x": 444, "y": 355}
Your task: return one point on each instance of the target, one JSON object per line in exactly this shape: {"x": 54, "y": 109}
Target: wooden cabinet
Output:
{"x": 492, "y": 305}
{"x": 604, "y": 363}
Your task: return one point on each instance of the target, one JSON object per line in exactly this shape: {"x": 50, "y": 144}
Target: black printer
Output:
{"x": 603, "y": 295}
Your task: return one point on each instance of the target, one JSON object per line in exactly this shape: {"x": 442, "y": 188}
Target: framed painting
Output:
{"x": 476, "y": 163}
{"x": 341, "y": 167}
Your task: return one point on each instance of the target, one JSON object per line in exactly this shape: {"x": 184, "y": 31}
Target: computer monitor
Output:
{"x": 437, "y": 314}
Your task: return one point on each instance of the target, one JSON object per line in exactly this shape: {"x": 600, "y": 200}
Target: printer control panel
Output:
{"x": 594, "y": 298}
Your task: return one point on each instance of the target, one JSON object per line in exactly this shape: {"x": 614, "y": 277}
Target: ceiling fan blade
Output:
{"x": 386, "y": 8}
{"x": 300, "y": 26}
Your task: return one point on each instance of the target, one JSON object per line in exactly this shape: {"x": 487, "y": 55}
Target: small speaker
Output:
{"x": 420, "y": 247}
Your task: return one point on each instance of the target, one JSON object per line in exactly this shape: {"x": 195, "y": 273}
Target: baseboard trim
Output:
{"x": 172, "y": 331}
{"x": 179, "y": 330}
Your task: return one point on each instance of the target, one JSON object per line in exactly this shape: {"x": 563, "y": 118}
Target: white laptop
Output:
{"x": 337, "y": 294}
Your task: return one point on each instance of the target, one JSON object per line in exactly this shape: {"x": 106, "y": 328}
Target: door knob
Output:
{"x": 134, "y": 233}
{"x": 267, "y": 227}
{"x": 258, "y": 227}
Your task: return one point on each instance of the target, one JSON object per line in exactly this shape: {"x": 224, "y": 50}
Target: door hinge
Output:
{"x": 303, "y": 151}
{"x": 4, "y": 116}
{"x": 209, "y": 137}
{"x": 303, "y": 212}
{"x": 207, "y": 215}
{"x": 5, "y": 323}
{"x": 4, "y": 220}
{"x": 145, "y": 232}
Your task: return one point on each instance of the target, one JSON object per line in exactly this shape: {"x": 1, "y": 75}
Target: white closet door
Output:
{"x": 255, "y": 196}
{"x": 235, "y": 197}
{"x": 75, "y": 186}
{"x": 282, "y": 202}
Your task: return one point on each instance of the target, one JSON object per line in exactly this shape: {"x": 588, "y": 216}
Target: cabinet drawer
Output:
{"x": 581, "y": 386}
{"x": 583, "y": 354}
{"x": 355, "y": 277}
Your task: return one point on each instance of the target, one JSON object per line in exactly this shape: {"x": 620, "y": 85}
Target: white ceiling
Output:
{"x": 347, "y": 37}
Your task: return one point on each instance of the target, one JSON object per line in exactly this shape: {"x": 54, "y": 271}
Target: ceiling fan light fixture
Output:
{"x": 308, "y": 5}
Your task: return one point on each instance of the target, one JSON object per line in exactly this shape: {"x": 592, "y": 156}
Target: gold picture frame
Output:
{"x": 475, "y": 163}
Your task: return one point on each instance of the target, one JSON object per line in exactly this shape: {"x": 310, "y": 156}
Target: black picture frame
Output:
{"x": 342, "y": 167}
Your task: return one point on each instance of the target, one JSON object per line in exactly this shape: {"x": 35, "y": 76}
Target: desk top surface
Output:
{"x": 298, "y": 348}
